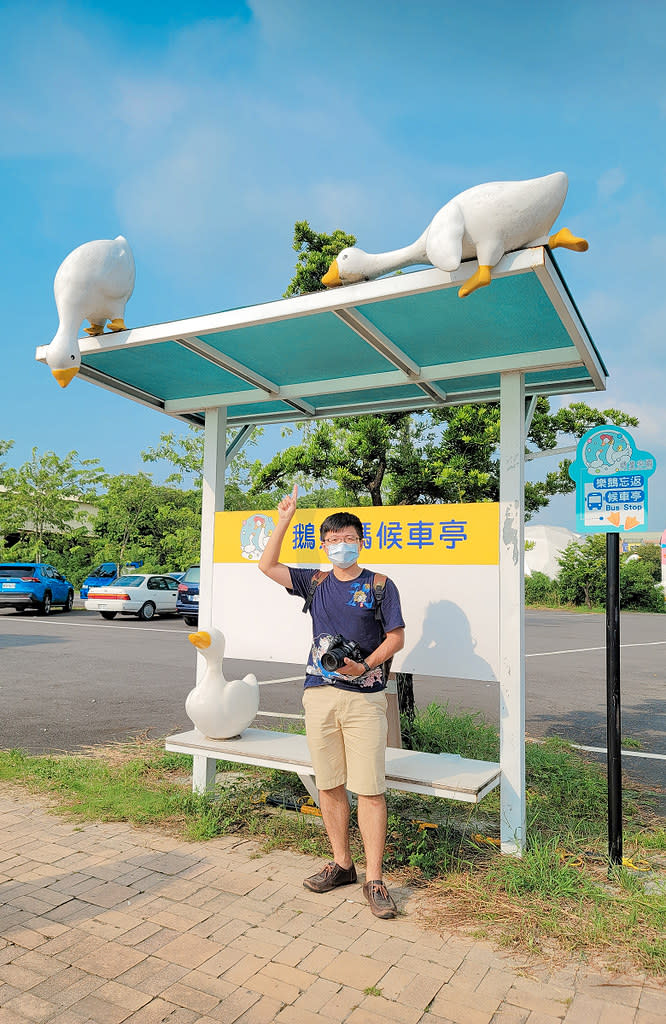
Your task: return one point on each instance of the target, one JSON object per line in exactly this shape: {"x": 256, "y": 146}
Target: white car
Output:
{"x": 142, "y": 594}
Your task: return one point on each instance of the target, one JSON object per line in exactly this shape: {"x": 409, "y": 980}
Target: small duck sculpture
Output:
{"x": 483, "y": 222}
{"x": 94, "y": 282}
{"x": 218, "y": 708}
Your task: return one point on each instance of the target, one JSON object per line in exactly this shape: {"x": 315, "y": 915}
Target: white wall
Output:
{"x": 451, "y": 615}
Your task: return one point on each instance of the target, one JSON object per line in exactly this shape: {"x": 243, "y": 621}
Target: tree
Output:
{"x": 650, "y": 555}
{"x": 448, "y": 454}
{"x": 637, "y": 586}
{"x": 43, "y": 496}
{"x": 179, "y": 530}
{"x": 464, "y": 461}
{"x": 185, "y": 453}
{"x": 443, "y": 455}
{"x": 140, "y": 520}
{"x": 316, "y": 252}
{"x": 352, "y": 451}
{"x": 582, "y": 577}
{"x": 4, "y": 448}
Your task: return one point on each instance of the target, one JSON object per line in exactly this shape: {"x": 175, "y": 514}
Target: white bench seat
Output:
{"x": 444, "y": 775}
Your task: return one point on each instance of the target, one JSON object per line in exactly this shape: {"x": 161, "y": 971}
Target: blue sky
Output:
{"x": 203, "y": 131}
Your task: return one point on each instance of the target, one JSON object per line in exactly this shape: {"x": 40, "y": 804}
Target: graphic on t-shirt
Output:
{"x": 320, "y": 645}
{"x": 361, "y": 596}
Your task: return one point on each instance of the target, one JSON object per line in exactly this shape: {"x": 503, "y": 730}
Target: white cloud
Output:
{"x": 610, "y": 182}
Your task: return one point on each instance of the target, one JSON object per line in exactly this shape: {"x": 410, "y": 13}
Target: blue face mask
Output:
{"x": 342, "y": 554}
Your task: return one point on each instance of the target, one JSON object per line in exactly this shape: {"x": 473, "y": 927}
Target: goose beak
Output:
{"x": 332, "y": 276}
{"x": 201, "y": 640}
{"x": 64, "y": 376}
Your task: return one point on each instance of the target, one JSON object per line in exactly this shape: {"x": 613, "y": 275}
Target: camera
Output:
{"x": 339, "y": 649}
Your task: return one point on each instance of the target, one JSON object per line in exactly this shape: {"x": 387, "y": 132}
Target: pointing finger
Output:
{"x": 294, "y": 493}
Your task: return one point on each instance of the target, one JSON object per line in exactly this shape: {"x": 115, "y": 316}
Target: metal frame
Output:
{"x": 515, "y": 415}
{"x": 346, "y": 304}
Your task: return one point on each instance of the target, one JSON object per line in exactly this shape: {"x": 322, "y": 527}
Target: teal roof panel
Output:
{"x": 506, "y": 318}
{"x": 165, "y": 370}
{"x": 300, "y": 349}
{"x": 398, "y": 343}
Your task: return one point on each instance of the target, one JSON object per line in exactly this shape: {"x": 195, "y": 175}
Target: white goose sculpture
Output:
{"x": 94, "y": 282}
{"x": 483, "y": 222}
{"x": 218, "y": 708}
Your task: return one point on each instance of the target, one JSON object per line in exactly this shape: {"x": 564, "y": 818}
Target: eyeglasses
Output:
{"x": 350, "y": 538}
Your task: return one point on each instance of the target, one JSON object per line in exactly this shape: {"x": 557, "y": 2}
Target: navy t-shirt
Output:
{"x": 346, "y": 607}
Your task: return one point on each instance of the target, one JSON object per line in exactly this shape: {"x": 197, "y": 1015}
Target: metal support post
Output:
{"x": 212, "y": 501}
{"x": 512, "y": 618}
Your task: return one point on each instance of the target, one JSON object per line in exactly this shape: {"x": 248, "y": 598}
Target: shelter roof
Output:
{"x": 405, "y": 342}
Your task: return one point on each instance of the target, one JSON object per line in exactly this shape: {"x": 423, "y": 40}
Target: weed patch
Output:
{"x": 559, "y": 896}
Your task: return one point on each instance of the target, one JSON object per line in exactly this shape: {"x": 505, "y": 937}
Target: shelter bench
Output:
{"x": 445, "y": 775}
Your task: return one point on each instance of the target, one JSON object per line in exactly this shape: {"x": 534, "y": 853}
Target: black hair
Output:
{"x": 338, "y": 521}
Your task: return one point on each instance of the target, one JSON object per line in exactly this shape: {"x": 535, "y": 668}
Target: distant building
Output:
{"x": 633, "y": 541}
{"x": 87, "y": 518}
{"x": 543, "y": 546}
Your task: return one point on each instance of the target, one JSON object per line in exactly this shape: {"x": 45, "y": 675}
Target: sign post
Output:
{"x": 613, "y": 724}
{"x": 611, "y": 495}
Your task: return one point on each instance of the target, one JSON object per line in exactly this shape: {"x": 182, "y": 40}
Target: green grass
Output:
{"x": 583, "y": 609}
{"x": 560, "y": 895}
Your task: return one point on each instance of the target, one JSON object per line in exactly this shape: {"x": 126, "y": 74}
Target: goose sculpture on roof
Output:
{"x": 483, "y": 222}
{"x": 93, "y": 283}
{"x": 218, "y": 708}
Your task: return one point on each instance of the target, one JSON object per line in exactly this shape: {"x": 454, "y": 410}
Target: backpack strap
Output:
{"x": 317, "y": 579}
{"x": 378, "y": 588}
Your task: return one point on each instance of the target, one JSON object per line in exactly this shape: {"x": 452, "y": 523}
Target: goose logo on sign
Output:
{"x": 611, "y": 477}
{"x": 254, "y": 534}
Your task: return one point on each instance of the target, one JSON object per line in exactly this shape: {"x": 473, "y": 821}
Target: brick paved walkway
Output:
{"x": 105, "y": 923}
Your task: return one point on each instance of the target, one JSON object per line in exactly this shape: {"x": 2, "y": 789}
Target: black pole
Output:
{"x": 613, "y": 730}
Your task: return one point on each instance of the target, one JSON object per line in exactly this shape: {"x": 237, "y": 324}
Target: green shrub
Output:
{"x": 540, "y": 589}
{"x": 637, "y": 589}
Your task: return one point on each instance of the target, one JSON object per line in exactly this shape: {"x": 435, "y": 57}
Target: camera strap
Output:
{"x": 378, "y": 589}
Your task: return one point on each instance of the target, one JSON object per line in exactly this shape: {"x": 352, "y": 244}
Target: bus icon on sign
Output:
{"x": 594, "y": 500}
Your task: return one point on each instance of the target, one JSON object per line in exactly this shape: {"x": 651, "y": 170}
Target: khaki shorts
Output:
{"x": 346, "y": 734}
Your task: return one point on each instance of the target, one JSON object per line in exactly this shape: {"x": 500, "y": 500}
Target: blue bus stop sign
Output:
{"x": 611, "y": 477}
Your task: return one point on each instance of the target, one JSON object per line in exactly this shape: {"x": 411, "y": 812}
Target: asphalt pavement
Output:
{"x": 68, "y": 681}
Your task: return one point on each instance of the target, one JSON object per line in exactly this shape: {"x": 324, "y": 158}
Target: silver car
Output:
{"x": 143, "y": 595}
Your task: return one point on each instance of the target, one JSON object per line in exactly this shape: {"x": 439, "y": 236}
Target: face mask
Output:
{"x": 343, "y": 554}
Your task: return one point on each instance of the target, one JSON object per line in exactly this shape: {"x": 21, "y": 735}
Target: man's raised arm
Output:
{"x": 270, "y": 563}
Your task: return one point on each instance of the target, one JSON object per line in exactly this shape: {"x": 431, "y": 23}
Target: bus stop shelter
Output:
{"x": 403, "y": 343}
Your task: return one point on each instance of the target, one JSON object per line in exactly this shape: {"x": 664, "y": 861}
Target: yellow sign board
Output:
{"x": 392, "y": 535}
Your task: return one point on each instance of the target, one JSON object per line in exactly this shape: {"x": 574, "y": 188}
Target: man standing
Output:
{"x": 345, "y": 708}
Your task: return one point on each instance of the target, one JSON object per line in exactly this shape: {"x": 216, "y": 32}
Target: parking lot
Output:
{"x": 68, "y": 681}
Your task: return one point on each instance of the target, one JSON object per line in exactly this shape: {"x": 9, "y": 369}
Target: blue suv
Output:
{"x": 104, "y": 574}
{"x": 187, "y": 602}
{"x": 34, "y": 585}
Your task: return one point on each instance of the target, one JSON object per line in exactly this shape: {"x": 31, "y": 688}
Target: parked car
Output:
{"x": 100, "y": 577}
{"x": 34, "y": 585}
{"x": 104, "y": 574}
{"x": 142, "y": 594}
{"x": 187, "y": 604}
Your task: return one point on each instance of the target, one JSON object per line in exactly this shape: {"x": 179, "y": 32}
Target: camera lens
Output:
{"x": 331, "y": 661}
